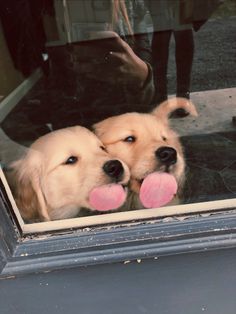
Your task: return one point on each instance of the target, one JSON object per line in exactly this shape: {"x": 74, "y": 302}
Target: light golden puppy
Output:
{"x": 64, "y": 171}
{"x": 147, "y": 144}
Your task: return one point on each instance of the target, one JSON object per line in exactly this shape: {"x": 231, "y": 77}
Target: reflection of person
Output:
{"x": 110, "y": 73}
{"x": 177, "y": 18}
{"x": 166, "y": 17}
{"x": 114, "y": 77}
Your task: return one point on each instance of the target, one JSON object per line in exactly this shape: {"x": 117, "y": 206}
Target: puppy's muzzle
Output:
{"x": 114, "y": 169}
{"x": 166, "y": 155}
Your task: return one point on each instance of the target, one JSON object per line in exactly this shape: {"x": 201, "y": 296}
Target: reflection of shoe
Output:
{"x": 183, "y": 94}
{"x": 179, "y": 113}
{"x": 234, "y": 120}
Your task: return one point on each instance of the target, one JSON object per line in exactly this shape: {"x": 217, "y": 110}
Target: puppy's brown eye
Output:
{"x": 103, "y": 148}
{"x": 130, "y": 139}
{"x": 71, "y": 160}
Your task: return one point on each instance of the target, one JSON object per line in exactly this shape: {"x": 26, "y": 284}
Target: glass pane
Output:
{"x": 79, "y": 62}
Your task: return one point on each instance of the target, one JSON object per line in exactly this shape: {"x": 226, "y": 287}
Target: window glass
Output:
{"x": 111, "y": 106}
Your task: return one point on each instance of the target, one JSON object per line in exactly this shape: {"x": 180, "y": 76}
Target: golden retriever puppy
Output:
{"x": 64, "y": 171}
{"x": 147, "y": 144}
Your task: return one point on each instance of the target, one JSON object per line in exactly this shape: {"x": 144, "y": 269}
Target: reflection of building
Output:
{"x": 76, "y": 18}
{"x": 175, "y": 14}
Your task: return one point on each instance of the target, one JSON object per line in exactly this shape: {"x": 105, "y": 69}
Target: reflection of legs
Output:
{"x": 184, "y": 50}
{"x": 160, "y": 54}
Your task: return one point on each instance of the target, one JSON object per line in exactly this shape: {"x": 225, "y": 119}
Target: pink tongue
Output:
{"x": 107, "y": 197}
{"x": 157, "y": 189}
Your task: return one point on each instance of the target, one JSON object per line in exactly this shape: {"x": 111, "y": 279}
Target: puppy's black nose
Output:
{"x": 167, "y": 155}
{"x": 114, "y": 169}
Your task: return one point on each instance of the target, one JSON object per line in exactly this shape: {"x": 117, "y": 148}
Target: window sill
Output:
{"x": 122, "y": 243}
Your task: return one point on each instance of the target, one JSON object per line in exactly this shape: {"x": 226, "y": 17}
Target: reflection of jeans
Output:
{"x": 184, "y": 49}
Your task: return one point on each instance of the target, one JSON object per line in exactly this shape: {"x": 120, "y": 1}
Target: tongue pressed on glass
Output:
{"x": 157, "y": 189}
{"x": 107, "y": 197}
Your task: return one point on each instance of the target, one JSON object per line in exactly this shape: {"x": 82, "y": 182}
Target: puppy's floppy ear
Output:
{"x": 164, "y": 110}
{"x": 24, "y": 179}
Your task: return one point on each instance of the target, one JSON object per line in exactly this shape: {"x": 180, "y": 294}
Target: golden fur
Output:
{"x": 150, "y": 131}
{"x": 46, "y": 187}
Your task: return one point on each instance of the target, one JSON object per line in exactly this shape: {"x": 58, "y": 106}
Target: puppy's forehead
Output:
{"x": 69, "y": 139}
{"x": 130, "y": 124}
{"x": 145, "y": 121}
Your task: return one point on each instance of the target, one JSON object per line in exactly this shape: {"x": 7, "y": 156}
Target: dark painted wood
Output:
{"x": 187, "y": 283}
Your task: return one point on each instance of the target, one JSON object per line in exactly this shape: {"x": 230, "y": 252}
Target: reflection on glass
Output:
{"x": 75, "y": 62}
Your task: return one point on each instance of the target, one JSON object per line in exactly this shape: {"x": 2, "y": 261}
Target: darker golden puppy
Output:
{"x": 147, "y": 144}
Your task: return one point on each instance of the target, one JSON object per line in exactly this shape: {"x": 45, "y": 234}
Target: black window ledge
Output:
{"x": 41, "y": 253}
